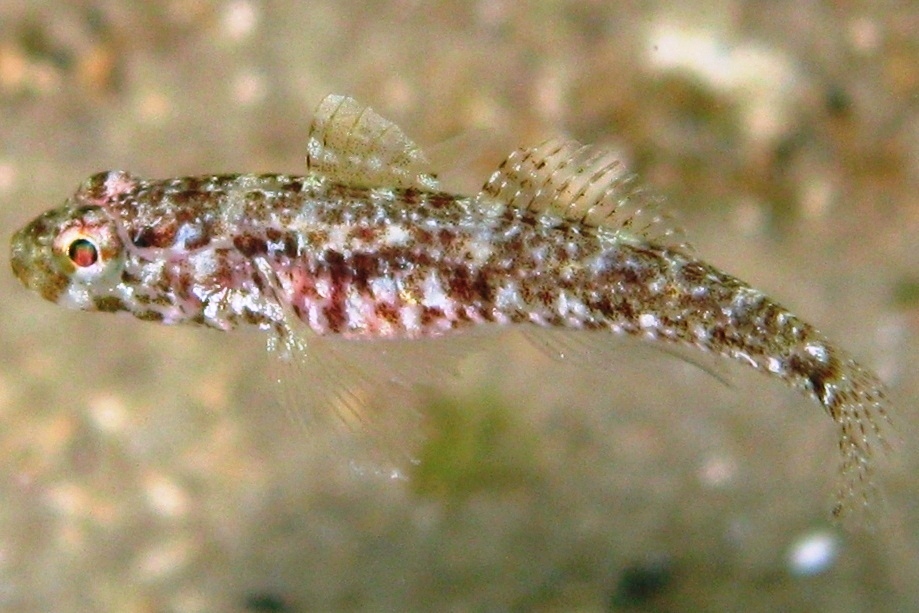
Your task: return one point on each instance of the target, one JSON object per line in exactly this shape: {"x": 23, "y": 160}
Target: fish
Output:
{"x": 367, "y": 246}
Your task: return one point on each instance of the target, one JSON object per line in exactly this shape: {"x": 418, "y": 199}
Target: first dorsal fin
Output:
{"x": 350, "y": 143}
{"x": 584, "y": 184}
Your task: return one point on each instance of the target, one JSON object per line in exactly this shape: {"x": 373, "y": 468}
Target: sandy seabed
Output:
{"x": 152, "y": 469}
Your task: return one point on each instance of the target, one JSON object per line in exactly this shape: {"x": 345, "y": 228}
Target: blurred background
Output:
{"x": 152, "y": 469}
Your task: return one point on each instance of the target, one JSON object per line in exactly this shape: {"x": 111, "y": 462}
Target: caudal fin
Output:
{"x": 858, "y": 402}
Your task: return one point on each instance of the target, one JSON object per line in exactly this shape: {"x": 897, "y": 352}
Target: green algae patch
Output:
{"x": 474, "y": 446}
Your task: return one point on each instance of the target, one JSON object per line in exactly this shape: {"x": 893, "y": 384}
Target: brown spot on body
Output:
{"x": 421, "y": 239}
{"x": 185, "y": 216}
{"x": 254, "y": 318}
{"x": 54, "y": 284}
{"x": 109, "y": 304}
{"x": 224, "y": 276}
{"x": 250, "y": 245}
{"x": 199, "y": 241}
{"x": 151, "y": 316}
{"x": 545, "y": 296}
{"x": 446, "y": 237}
{"x": 365, "y": 234}
{"x": 365, "y": 266}
{"x": 440, "y": 200}
{"x": 816, "y": 376}
{"x": 178, "y": 277}
{"x": 410, "y": 196}
{"x": 144, "y": 237}
{"x": 387, "y": 312}
{"x": 160, "y": 236}
{"x": 335, "y": 315}
{"x": 291, "y": 246}
{"x": 337, "y": 267}
{"x": 188, "y": 199}
{"x": 482, "y": 287}
{"x": 340, "y": 276}
{"x": 693, "y": 273}
{"x": 621, "y": 310}
{"x": 429, "y": 315}
{"x": 256, "y": 199}
{"x": 467, "y": 287}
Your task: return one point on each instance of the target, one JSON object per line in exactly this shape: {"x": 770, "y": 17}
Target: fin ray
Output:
{"x": 350, "y": 143}
{"x": 368, "y": 393}
{"x": 595, "y": 350}
{"x": 584, "y": 184}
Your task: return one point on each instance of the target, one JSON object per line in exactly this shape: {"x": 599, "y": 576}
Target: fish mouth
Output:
{"x": 31, "y": 261}
{"x": 21, "y": 257}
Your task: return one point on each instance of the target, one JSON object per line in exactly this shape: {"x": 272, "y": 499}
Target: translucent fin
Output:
{"x": 597, "y": 350}
{"x": 327, "y": 391}
{"x": 584, "y": 184}
{"x": 859, "y": 404}
{"x": 350, "y": 143}
{"x": 368, "y": 392}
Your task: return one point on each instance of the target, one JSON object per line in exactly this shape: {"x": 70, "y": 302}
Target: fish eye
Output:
{"x": 83, "y": 252}
{"x": 88, "y": 249}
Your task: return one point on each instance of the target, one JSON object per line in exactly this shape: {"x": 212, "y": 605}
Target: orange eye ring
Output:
{"x": 83, "y": 252}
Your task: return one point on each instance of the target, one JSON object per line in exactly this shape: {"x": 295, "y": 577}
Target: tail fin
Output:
{"x": 857, "y": 400}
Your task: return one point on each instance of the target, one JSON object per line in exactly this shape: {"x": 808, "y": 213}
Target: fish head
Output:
{"x": 72, "y": 256}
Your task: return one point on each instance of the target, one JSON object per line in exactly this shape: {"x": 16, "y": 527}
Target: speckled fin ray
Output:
{"x": 584, "y": 184}
{"x": 352, "y": 144}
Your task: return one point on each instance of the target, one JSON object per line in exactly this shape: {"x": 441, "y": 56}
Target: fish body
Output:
{"x": 367, "y": 246}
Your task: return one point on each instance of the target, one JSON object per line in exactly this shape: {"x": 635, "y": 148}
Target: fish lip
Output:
{"x": 20, "y": 257}
{"x": 30, "y": 255}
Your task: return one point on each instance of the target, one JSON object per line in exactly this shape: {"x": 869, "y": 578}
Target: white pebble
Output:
{"x": 813, "y": 553}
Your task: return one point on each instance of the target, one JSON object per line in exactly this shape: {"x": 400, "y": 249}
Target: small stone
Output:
{"x": 813, "y": 553}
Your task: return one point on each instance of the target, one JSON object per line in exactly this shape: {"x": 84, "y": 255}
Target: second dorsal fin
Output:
{"x": 584, "y": 184}
{"x": 350, "y": 143}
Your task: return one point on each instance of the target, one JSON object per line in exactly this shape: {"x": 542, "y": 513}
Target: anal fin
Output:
{"x": 597, "y": 350}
